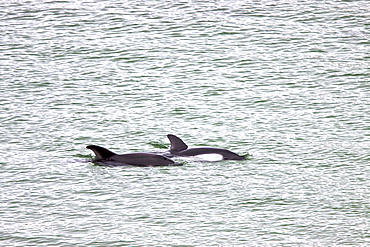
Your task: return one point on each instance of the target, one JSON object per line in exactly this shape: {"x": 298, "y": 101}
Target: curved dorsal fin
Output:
{"x": 100, "y": 152}
{"x": 177, "y": 144}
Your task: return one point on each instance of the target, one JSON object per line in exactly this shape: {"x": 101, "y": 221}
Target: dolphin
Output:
{"x": 135, "y": 159}
{"x": 179, "y": 148}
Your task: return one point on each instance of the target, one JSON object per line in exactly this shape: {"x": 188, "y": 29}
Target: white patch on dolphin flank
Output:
{"x": 209, "y": 157}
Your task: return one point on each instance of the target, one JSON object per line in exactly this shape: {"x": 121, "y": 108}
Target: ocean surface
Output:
{"x": 286, "y": 83}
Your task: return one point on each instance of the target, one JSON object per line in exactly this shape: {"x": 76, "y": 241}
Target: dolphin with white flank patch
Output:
{"x": 134, "y": 159}
{"x": 179, "y": 148}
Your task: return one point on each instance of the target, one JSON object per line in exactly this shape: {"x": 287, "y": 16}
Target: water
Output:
{"x": 286, "y": 82}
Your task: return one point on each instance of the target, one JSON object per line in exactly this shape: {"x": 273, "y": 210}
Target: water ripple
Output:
{"x": 286, "y": 82}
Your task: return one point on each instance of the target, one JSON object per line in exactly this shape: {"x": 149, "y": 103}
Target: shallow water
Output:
{"x": 286, "y": 82}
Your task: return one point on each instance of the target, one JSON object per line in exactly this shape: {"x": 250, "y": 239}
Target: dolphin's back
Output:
{"x": 136, "y": 159}
{"x": 144, "y": 159}
{"x": 179, "y": 148}
{"x": 227, "y": 154}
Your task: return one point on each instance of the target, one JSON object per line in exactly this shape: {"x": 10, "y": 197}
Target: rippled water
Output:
{"x": 285, "y": 81}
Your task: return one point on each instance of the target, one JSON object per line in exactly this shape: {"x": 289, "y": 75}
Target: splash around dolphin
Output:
{"x": 134, "y": 159}
{"x": 179, "y": 148}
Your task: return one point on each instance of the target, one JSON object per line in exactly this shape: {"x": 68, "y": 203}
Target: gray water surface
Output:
{"x": 286, "y": 82}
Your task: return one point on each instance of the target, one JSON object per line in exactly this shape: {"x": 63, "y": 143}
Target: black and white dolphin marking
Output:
{"x": 179, "y": 148}
{"x": 134, "y": 159}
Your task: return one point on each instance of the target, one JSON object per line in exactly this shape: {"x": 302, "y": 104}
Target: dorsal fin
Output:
{"x": 100, "y": 152}
{"x": 177, "y": 144}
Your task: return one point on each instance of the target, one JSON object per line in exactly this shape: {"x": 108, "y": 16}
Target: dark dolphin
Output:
{"x": 179, "y": 148}
{"x": 135, "y": 159}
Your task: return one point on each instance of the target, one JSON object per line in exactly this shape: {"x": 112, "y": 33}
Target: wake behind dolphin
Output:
{"x": 134, "y": 159}
{"x": 179, "y": 148}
